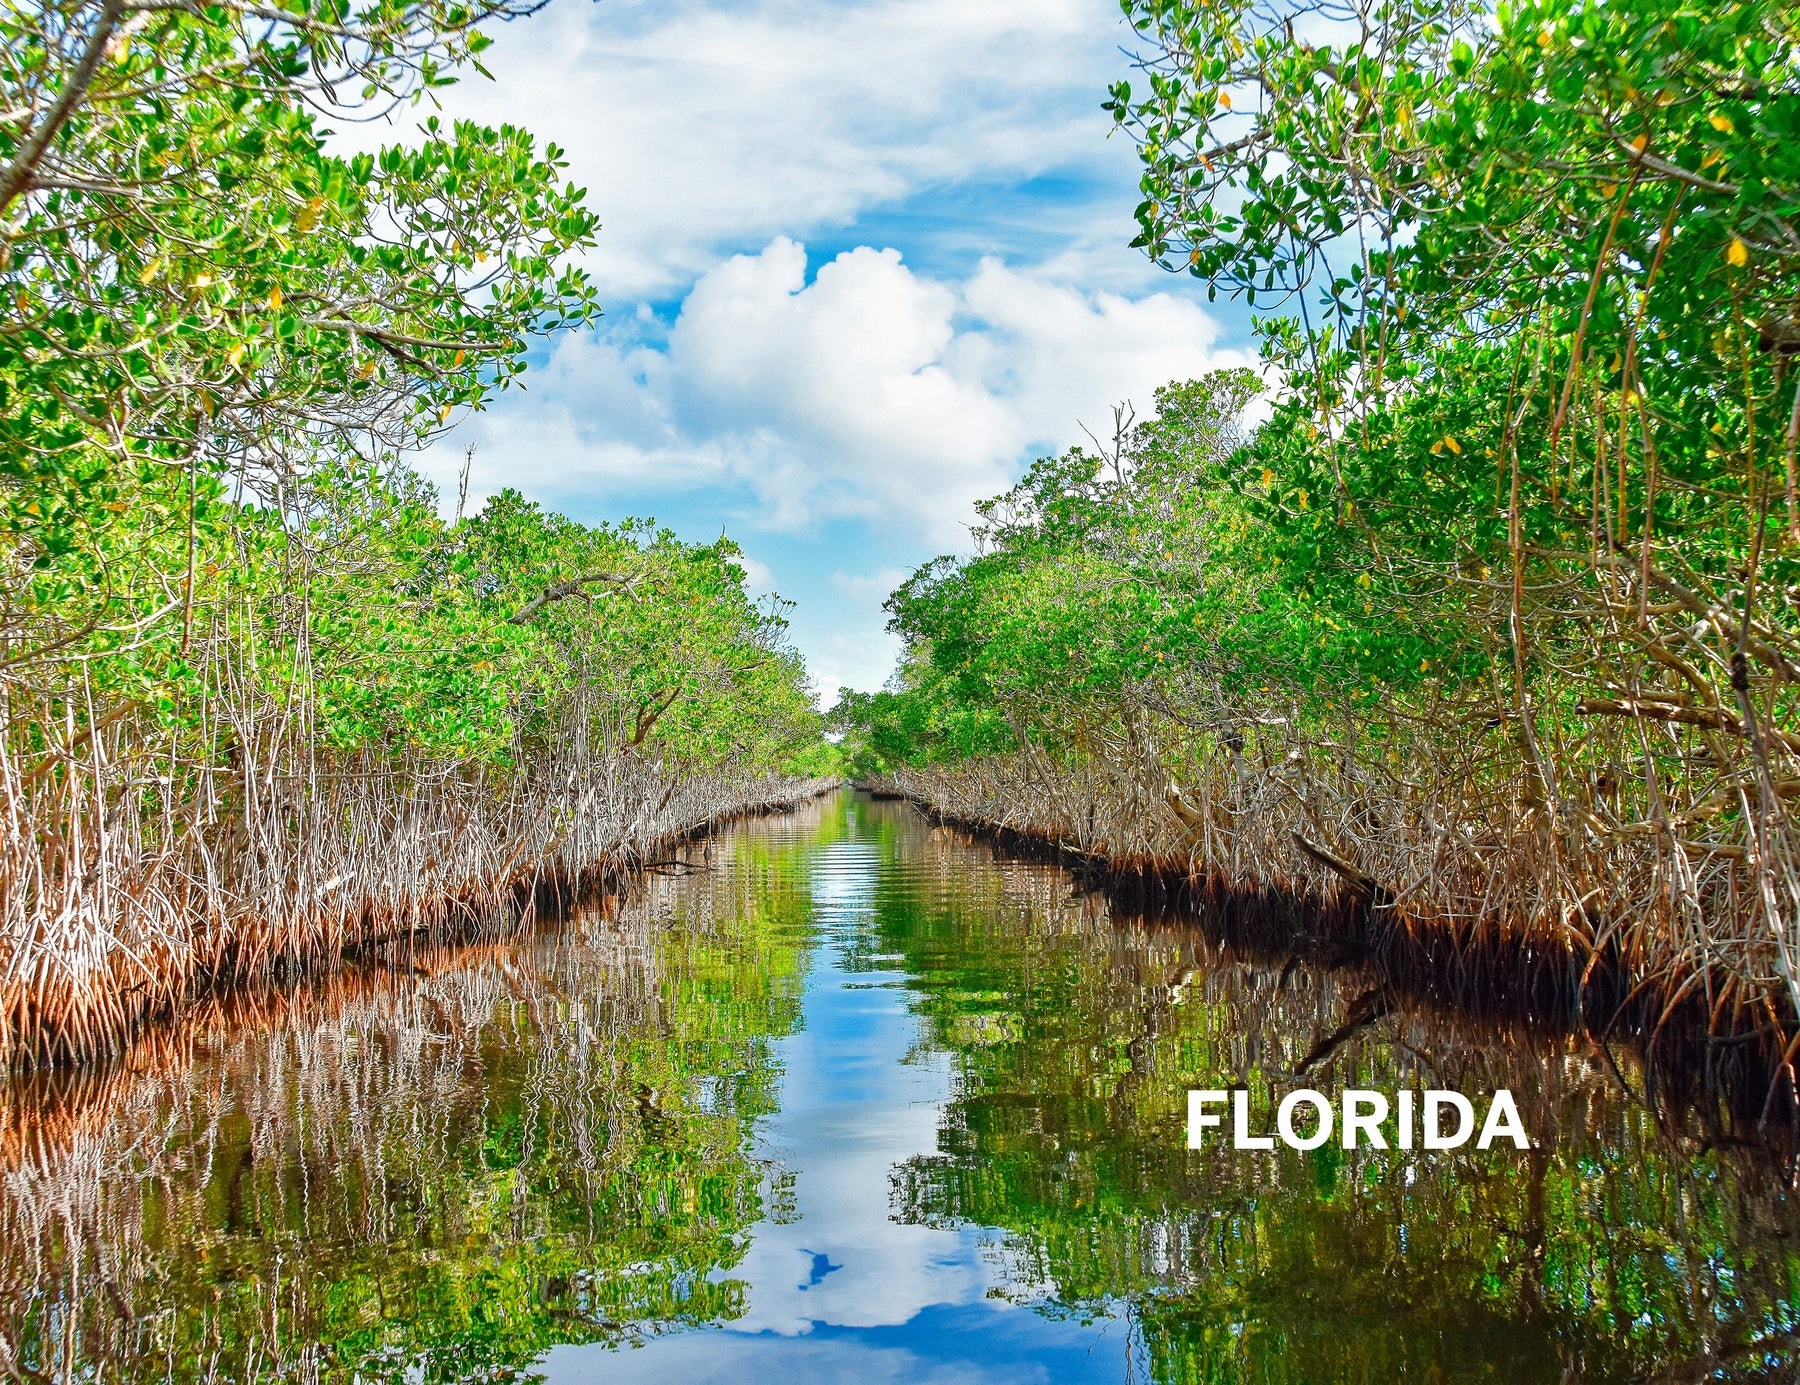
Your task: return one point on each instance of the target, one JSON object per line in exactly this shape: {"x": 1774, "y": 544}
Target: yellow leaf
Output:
{"x": 202, "y": 280}
{"x": 443, "y": 413}
{"x": 1544, "y": 39}
{"x": 118, "y": 507}
{"x": 1453, "y": 444}
{"x": 458, "y": 360}
{"x": 1225, "y": 100}
{"x": 236, "y": 356}
{"x": 1739, "y": 254}
{"x": 368, "y": 369}
{"x": 150, "y": 271}
{"x": 1268, "y": 477}
{"x": 1722, "y": 123}
{"x": 1641, "y": 143}
{"x": 275, "y": 299}
{"x": 1364, "y": 582}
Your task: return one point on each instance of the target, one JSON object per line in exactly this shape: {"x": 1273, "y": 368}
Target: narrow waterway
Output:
{"x": 856, "y": 1099}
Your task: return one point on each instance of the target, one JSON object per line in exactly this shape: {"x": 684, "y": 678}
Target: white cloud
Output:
{"x": 863, "y": 662}
{"x": 697, "y": 127}
{"x": 757, "y": 577}
{"x": 840, "y": 388}
{"x": 869, "y": 586}
{"x": 869, "y": 392}
{"x": 861, "y": 654}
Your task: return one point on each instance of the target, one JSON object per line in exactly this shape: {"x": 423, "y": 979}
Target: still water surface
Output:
{"x": 858, "y": 1100}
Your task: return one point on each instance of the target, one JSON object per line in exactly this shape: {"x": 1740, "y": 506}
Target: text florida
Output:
{"x": 1446, "y": 1119}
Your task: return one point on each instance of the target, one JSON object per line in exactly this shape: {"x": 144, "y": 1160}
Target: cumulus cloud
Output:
{"x": 841, "y": 416}
{"x": 866, "y": 391}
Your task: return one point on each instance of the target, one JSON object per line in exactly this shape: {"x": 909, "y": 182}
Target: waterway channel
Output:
{"x": 849, "y": 1097}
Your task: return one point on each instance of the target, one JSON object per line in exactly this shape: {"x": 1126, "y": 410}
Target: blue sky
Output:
{"x": 861, "y": 262}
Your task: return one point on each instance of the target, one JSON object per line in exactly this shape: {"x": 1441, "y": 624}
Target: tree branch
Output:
{"x": 651, "y": 713}
{"x": 17, "y": 177}
{"x": 388, "y": 338}
{"x": 563, "y": 590}
{"x": 1687, "y": 716}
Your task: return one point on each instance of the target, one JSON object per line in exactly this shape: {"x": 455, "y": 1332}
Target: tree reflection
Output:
{"x": 1617, "y": 1249}
{"x": 433, "y": 1168}
{"x": 439, "y": 1166}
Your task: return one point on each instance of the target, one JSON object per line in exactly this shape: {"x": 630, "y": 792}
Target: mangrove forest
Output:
{"x": 444, "y": 937}
{"x": 1480, "y": 604}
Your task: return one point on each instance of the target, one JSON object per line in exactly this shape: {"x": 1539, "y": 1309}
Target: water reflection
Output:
{"x": 431, "y": 1170}
{"x": 865, "y": 1101}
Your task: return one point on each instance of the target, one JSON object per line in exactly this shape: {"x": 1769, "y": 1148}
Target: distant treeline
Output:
{"x": 1492, "y": 616}
{"x": 260, "y": 700}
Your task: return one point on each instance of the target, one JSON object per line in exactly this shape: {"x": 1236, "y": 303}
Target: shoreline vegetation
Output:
{"x": 262, "y": 702}
{"x": 1721, "y": 1088}
{"x": 572, "y": 1122}
{"x": 1484, "y": 626}
{"x": 436, "y": 1078}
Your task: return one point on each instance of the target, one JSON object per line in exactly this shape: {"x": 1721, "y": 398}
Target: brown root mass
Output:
{"x": 1713, "y": 1023}
{"x": 134, "y": 879}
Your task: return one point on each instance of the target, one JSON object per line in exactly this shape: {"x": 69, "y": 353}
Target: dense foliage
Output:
{"x": 224, "y": 595}
{"x": 1525, "y": 500}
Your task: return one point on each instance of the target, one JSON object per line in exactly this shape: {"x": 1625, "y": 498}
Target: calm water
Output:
{"x": 857, "y": 1100}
